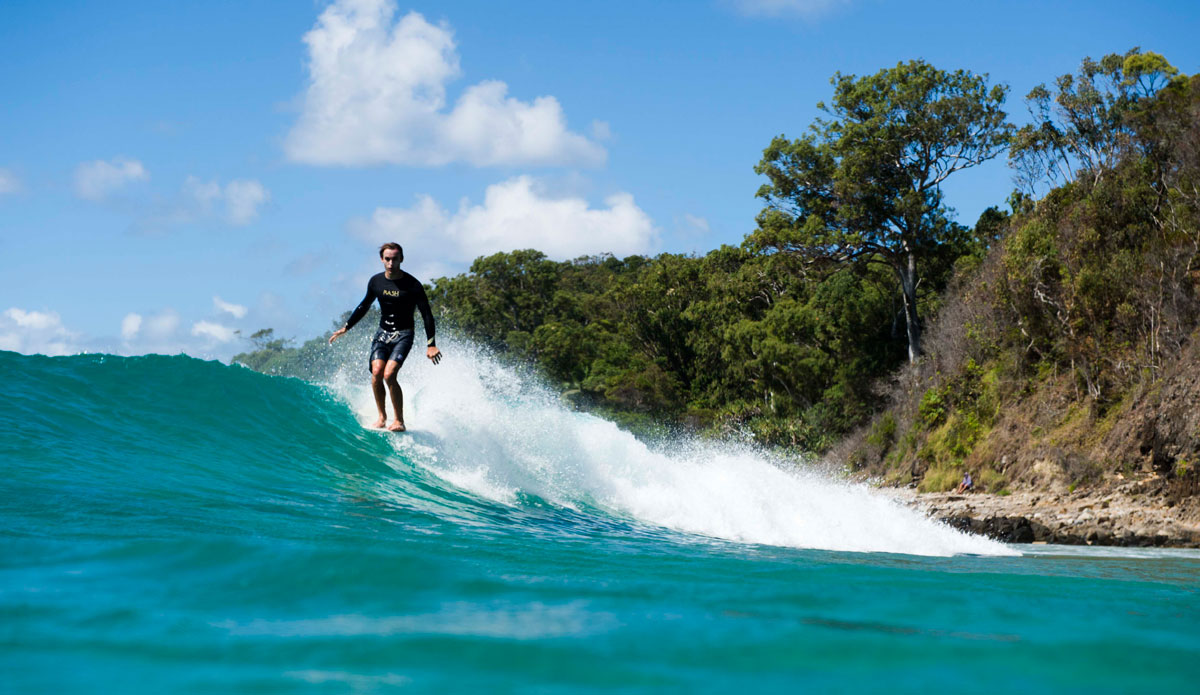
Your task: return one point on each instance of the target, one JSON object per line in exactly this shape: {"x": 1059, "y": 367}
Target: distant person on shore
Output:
{"x": 966, "y": 485}
{"x": 399, "y": 294}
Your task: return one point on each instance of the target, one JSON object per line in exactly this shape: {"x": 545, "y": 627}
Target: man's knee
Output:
{"x": 377, "y": 373}
{"x": 389, "y": 373}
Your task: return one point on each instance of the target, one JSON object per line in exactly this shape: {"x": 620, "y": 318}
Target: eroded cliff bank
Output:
{"x": 1156, "y": 511}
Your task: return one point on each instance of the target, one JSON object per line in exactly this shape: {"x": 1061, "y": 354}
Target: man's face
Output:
{"x": 391, "y": 260}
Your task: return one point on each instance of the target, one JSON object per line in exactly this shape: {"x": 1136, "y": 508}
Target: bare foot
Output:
{"x": 396, "y": 426}
{"x": 380, "y": 423}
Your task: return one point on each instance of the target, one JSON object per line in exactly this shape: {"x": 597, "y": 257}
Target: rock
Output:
{"x": 1036, "y": 517}
{"x": 1023, "y": 532}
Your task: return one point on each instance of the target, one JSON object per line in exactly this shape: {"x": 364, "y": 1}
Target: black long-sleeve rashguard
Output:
{"x": 397, "y": 299}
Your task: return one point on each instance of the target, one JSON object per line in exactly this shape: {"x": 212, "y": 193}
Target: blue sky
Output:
{"x": 173, "y": 172}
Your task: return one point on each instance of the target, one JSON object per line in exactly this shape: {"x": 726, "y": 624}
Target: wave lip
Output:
{"x": 479, "y": 426}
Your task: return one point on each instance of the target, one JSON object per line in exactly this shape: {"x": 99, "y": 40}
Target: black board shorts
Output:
{"x": 392, "y": 346}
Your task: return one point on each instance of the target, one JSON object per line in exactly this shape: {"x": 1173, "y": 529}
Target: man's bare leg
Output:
{"x": 377, "y": 388}
{"x": 389, "y": 376}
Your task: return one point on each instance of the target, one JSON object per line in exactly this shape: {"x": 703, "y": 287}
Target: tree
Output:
{"x": 1087, "y": 123}
{"x": 865, "y": 185}
{"x": 509, "y": 294}
{"x": 658, "y": 317}
{"x": 264, "y": 339}
{"x": 1100, "y": 272}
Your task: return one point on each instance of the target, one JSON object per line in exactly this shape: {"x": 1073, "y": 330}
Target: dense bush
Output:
{"x": 1087, "y": 295}
{"x": 734, "y": 341}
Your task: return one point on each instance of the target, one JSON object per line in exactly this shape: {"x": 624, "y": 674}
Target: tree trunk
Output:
{"x": 908, "y": 286}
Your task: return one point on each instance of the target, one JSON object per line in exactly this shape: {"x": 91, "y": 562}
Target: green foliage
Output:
{"x": 864, "y": 186}
{"x": 883, "y": 431}
{"x": 949, "y": 444}
{"x": 268, "y": 352}
{"x": 1095, "y": 281}
{"x": 509, "y": 293}
{"x": 1098, "y": 273}
{"x": 940, "y": 479}
{"x": 932, "y": 409}
{"x": 734, "y": 342}
{"x": 990, "y": 480}
{"x": 1088, "y": 121}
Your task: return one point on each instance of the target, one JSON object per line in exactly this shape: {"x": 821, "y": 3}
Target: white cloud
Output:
{"x": 36, "y": 332}
{"x": 785, "y": 8}
{"x": 237, "y": 310}
{"x": 99, "y": 179}
{"x": 515, "y": 214}
{"x": 601, "y": 130}
{"x": 213, "y": 331}
{"x": 377, "y": 95}
{"x": 160, "y": 333}
{"x": 692, "y": 225}
{"x": 241, "y": 198}
{"x": 202, "y": 192}
{"x": 130, "y": 325}
{"x": 9, "y": 183}
{"x": 43, "y": 332}
{"x": 33, "y": 320}
{"x": 162, "y": 325}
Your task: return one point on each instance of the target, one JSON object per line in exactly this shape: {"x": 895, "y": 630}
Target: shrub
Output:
{"x": 941, "y": 479}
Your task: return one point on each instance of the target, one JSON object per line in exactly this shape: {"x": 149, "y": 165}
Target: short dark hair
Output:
{"x": 392, "y": 245}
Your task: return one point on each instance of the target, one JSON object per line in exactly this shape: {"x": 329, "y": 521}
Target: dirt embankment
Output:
{"x": 1130, "y": 477}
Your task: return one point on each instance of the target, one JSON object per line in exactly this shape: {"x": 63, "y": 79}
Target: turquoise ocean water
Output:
{"x": 174, "y": 525}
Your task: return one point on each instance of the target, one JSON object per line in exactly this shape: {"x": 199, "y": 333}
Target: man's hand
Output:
{"x": 434, "y": 354}
{"x": 337, "y": 334}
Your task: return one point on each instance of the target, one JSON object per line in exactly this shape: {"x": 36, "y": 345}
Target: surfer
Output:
{"x": 398, "y": 294}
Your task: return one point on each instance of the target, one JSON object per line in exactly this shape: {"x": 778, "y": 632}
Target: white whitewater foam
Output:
{"x": 482, "y": 428}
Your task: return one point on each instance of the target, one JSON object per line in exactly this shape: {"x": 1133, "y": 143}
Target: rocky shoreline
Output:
{"x": 1146, "y": 513}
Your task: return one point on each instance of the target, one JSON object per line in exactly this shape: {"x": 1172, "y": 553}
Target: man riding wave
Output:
{"x": 399, "y": 294}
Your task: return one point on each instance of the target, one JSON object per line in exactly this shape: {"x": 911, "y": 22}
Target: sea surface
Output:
{"x": 169, "y": 524}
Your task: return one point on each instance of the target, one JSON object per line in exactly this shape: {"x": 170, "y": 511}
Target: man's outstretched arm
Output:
{"x": 359, "y": 311}
{"x": 431, "y": 349}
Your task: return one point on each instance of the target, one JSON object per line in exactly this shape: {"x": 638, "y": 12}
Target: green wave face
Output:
{"x": 158, "y": 446}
